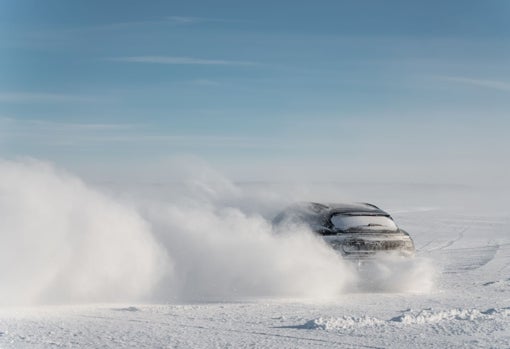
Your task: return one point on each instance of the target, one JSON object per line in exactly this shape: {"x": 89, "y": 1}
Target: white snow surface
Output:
{"x": 249, "y": 290}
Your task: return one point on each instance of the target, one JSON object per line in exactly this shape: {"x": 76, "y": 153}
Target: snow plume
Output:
{"x": 63, "y": 242}
{"x": 222, "y": 243}
{"x": 203, "y": 238}
{"x": 224, "y": 253}
{"x": 393, "y": 273}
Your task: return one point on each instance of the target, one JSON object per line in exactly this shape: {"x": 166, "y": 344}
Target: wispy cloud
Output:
{"x": 37, "y": 132}
{"x": 492, "y": 84}
{"x": 52, "y": 37}
{"x": 63, "y": 126}
{"x": 168, "y": 20}
{"x": 179, "y": 60}
{"x": 185, "y": 140}
{"x": 188, "y": 20}
{"x": 29, "y": 97}
{"x": 205, "y": 82}
{"x": 185, "y": 20}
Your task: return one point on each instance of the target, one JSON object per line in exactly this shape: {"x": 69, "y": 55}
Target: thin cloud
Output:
{"x": 171, "y": 20}
{"x": 186, "y": 20}
{"x": 204, "y": 82}
{"x": 42, "y": 125}
{"x": 77, "y": 126}
{"x": 29, "y": 97}
{"x": 77, "y": 134}
{"x": 43, "y": 38}
{"x": 492, "y": 84}
{"x": 179, "y": 60}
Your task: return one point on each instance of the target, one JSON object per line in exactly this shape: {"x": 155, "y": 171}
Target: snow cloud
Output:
{"x": 203, "y": 238}
{"x": 65, "y": 242}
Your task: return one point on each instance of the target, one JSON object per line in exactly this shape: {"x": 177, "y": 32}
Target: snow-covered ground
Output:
{"x": 196, "y": 264}
{"x": 469, "y": 306}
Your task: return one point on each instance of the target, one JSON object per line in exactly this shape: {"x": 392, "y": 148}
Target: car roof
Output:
{"x": 346, "y": 208}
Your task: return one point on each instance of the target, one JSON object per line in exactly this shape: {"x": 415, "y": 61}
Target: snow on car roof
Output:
{"x": 351, "y": 208}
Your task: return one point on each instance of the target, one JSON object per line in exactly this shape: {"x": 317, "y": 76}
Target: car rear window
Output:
{"x": 346, "y": 222}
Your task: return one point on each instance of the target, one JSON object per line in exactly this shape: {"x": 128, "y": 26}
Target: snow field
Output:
{"x": 215, "y": 276}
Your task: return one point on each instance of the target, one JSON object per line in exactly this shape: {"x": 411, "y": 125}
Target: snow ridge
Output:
{"x": 428, "y": 316}
{"x": 341, "y": 323}
{"x": 409, "y": 317}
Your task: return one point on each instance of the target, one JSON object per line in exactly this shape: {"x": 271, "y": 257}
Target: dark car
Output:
{"x": 354, "y": 229}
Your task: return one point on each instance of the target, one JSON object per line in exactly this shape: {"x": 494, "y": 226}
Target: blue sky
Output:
{"x": 407, "y": 91}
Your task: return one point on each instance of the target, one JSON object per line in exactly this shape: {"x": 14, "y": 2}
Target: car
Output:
{"x": 356, "y": 230}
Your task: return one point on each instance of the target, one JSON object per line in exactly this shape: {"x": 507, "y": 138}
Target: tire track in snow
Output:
{"x": 215, "y": 329}
{"x": 446, "y": 244}
{"x": 470, "y": 258}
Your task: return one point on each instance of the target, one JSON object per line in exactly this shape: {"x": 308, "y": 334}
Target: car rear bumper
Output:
{"x": 363, "y": 246}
